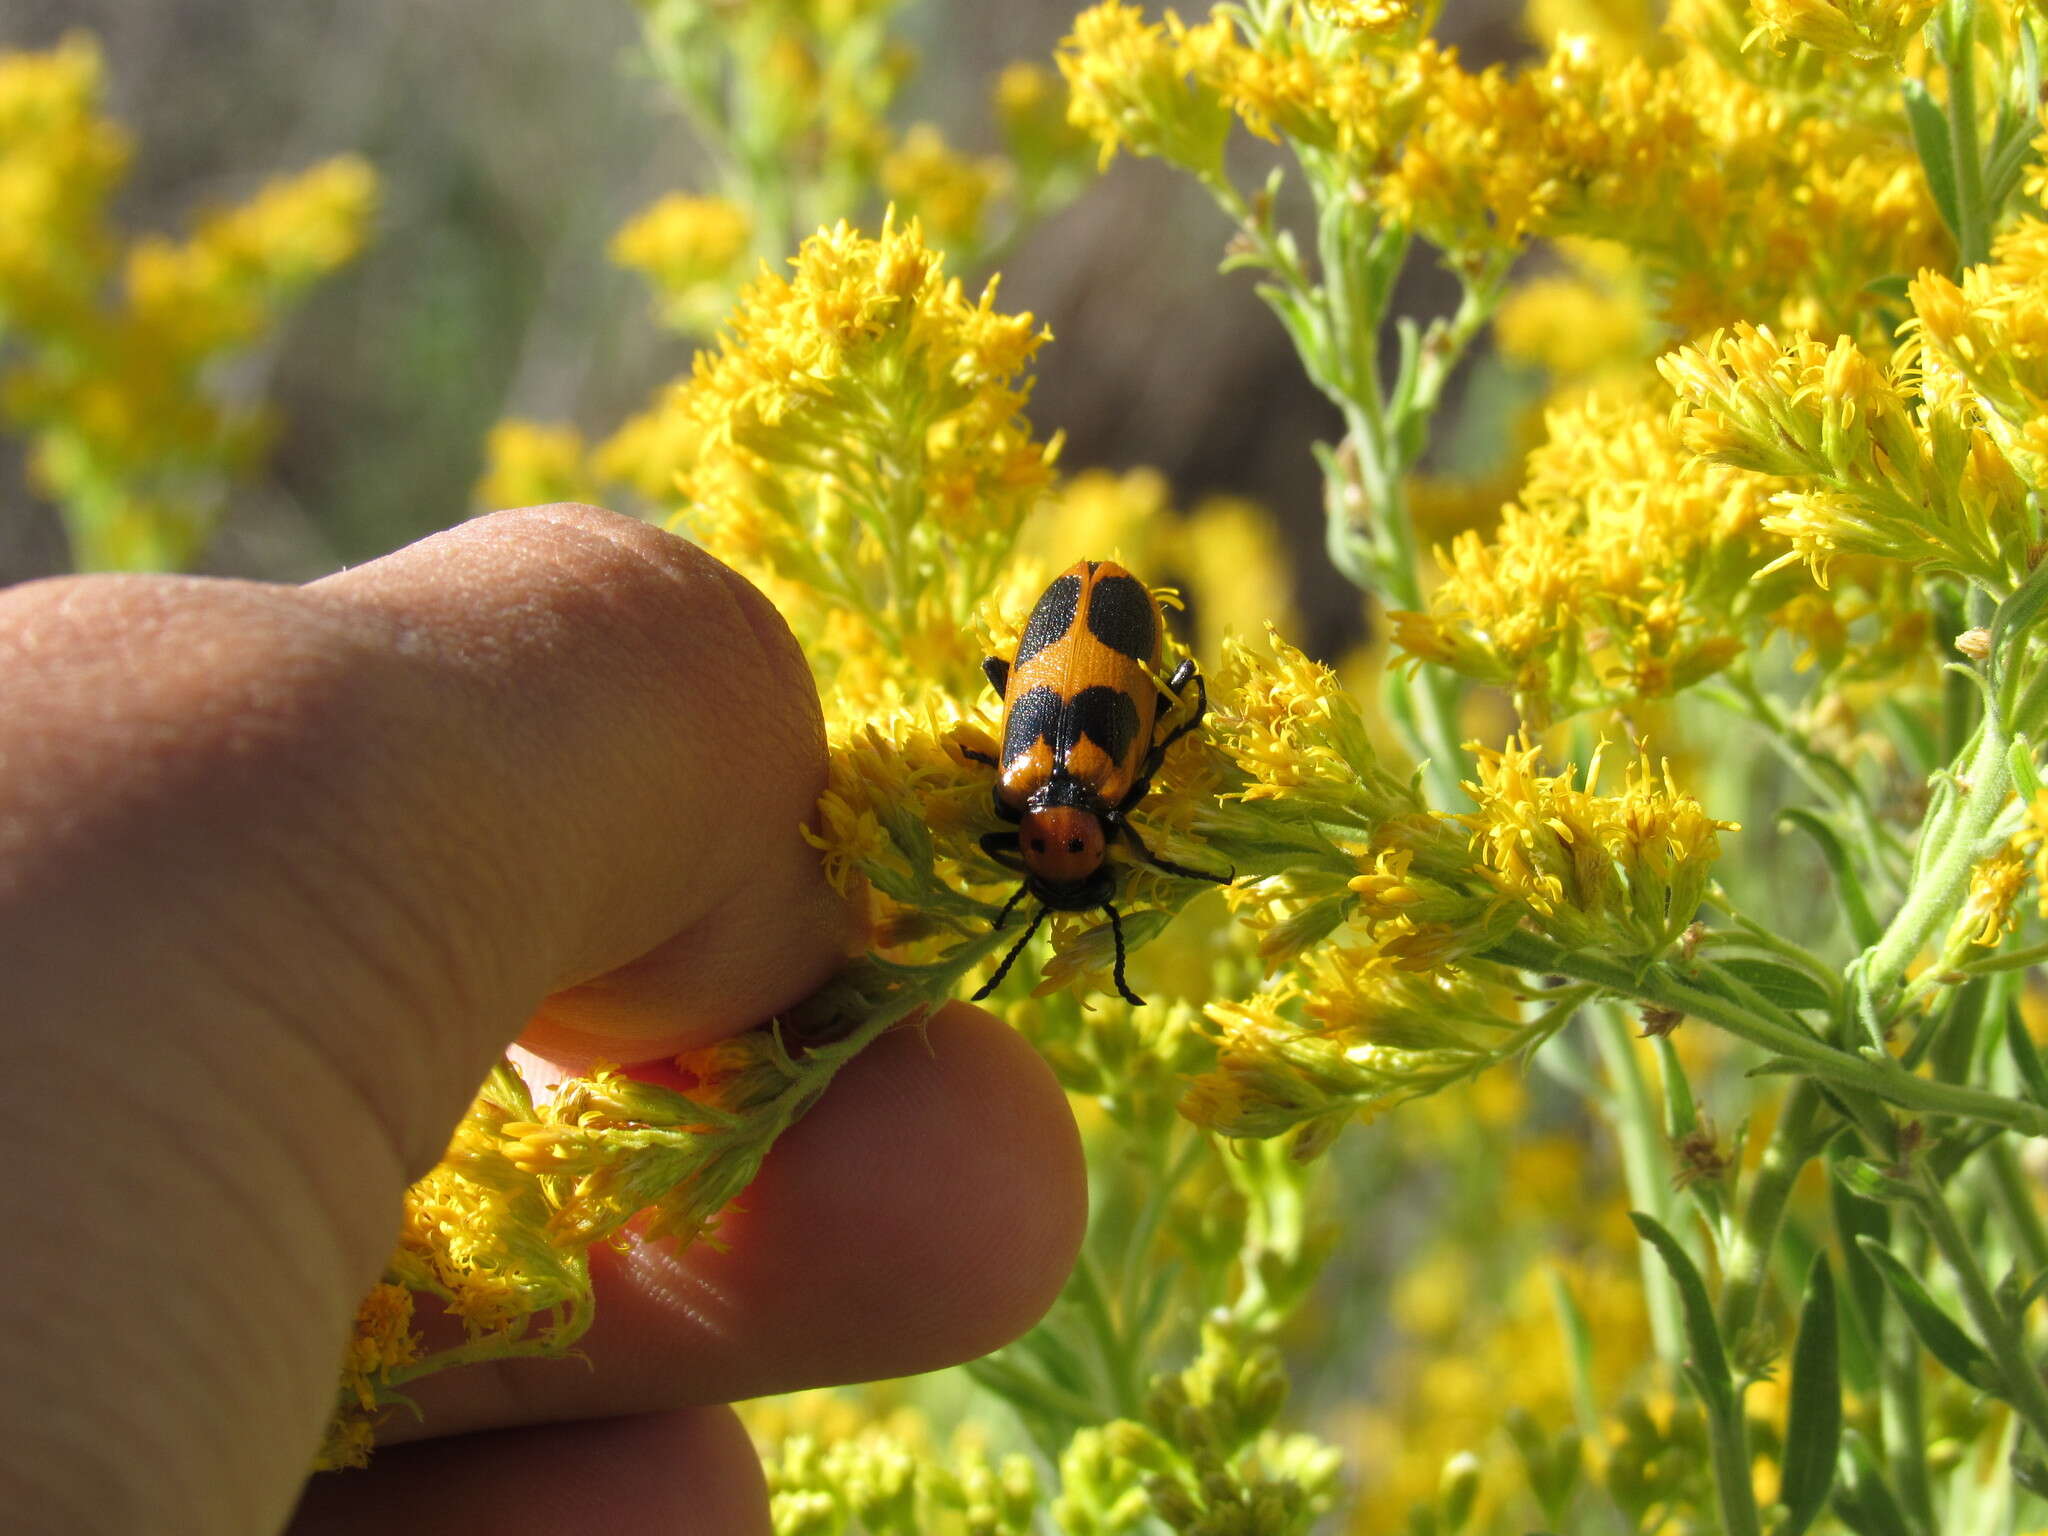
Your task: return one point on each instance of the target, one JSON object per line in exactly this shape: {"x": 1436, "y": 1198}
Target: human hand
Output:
{"x": 282, "y": 871}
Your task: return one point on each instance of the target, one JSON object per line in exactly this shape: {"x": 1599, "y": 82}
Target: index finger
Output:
{"x": 680, "y": 734}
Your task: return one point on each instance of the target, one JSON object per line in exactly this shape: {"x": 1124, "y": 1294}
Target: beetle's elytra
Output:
{"x": 1080, "y": 707}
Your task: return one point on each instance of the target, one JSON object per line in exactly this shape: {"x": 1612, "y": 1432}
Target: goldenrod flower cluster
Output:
{"x": 690, "y": 250}
{"x": 861, "y": 435}
{"x": 1622, "y": 574}
{"x": 792, "y": 102}
{"x": 1873, "y": 460}
{"x": 113, "y": 346}
{"x": 1873, "y": 30}
{"x": 1787, "y": 204}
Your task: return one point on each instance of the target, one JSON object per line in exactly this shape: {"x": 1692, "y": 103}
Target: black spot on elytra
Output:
{"x": 1120, "y": 616}
{"x": 1107, "y": 716}
{"x": 1051, "y": 619}
{"x": 1034, "y": 716}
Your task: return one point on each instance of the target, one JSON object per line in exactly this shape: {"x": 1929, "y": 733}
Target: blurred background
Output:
{"x": 510, "y": 143}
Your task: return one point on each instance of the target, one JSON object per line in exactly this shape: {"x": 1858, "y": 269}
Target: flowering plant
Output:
{"x": 1668, "y": 891}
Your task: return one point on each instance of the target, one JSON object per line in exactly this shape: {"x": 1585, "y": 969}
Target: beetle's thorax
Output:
{"x": 1063, "y": 843}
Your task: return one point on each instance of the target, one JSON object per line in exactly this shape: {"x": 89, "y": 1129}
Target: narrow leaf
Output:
{"x": 1813, "y": 1427}
{"x": 2019, "y": 760}
{"x": 1863, "y": 1499}
{"x": 2020, "y": 1045}
{"x": 1785, "y": 985}
{"x": 1681, "y": 1117}
{"x": 1863, "y": 923}
{"x": 1856, "y": 1218}
{"x": 1943, "y": 1336}
{"x": 2014, "y": 620}
{"x": 1937, "y": 159}
{"x": 1702, "y": 1334}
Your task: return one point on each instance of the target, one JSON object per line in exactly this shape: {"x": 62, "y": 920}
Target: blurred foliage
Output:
{"x": 113, "y": 348}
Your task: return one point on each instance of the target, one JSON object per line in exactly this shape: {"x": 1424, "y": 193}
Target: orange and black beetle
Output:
{"x": 1080, "y": 702}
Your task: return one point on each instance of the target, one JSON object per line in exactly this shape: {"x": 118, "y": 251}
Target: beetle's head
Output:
{"x": 1063, "y": 848}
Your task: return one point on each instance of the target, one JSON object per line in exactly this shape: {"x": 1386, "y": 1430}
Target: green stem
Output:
{"x": 2014, "y": 1192}
{"x": 2010, "y": 960}
{"x": 1824, "y": 774}
{"x": 1905, "y": 1420}
{"x": 1733, "y": 1490}
{"x": 1959, "y": 54}
{"x": 1746, "y": 1265}
{"x": 1645, "y": 1163}
{"x": 2001, "y": 1335}
{"x": 1119, "y": 1367}
{"x": 1659, "y": 984}
{"x": 1951, "y": 840}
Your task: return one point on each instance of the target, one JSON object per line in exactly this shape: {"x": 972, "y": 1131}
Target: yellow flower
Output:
{"x": 59, "y": 162}
{"x": 1623, "y": 873}
{"x": 1132, "y": 86}
{"x": 1575, "y": 327}
{"x": 1871, "y": 464}
{"x": 2032, "y": 840}
{"x": 1995, "y": 884}
{"x": 1350, "y": 1031}
{"x": 1872, "y": 30}
{"x": 528, "y": 464}
{"x": 1622, "y": 574}
{"x": 859, "y": 435}
{"x": 116, "y": 385}
{"x": 947, "y": 192}
{"x": 691, "y": 250}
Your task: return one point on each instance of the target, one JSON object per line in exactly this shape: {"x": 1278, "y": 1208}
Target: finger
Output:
{"x": 690, "y": 1470}
{"x": 926, "y": 1211}
{"x": 281, "y": 871}
{"x": 678, "y": 754}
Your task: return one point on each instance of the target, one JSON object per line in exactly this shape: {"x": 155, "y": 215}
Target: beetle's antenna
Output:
{"x": 1009, "y": 907}
{"x": 1116, "y": 928}
{"x": 1016, "y": 949}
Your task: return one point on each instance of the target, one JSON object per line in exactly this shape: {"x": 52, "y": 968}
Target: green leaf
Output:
{"x": 1681, "y": 1117}
{"x": 2030, "y": 1472}
{"x": 1863, "y": 1499}
{"x": 2015, "y": 619}
{"x": 1857, "y": 1218}
{"x": 1709, "y": 1360}
{"x": 1937, "y": 158}
{"x": 1943, "y": 1336}
{"x": 1781, "y": 1066}
{"x": 1774, "y": 980}
{"x": 2020, "y": 1046}
{"x": 1863, "y": 923}
{"x": 1813, "y": 1426}
{"x": 1872, "y": 1182}
{"x": 2019, "y": 761}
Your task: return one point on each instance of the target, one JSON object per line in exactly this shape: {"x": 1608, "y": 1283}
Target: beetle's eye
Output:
{"x": 1038, "y": 845}
{"x": 1074, "y": 845}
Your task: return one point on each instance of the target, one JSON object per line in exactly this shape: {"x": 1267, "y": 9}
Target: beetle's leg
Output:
{"x": 1015, "y": 949}
{"x": 1134, "y": 794}
{"x": 1002, "y": 847}
{"x": 1180, "y": 677}
{"x": 974, "y": 756}
{"x": 1158, "y": 753}
{"x": 1116, "y": 929}
{"x": 1009, "y": 906}
{"x": 997, "y": 671}
{"x": 1168, "y": 865}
